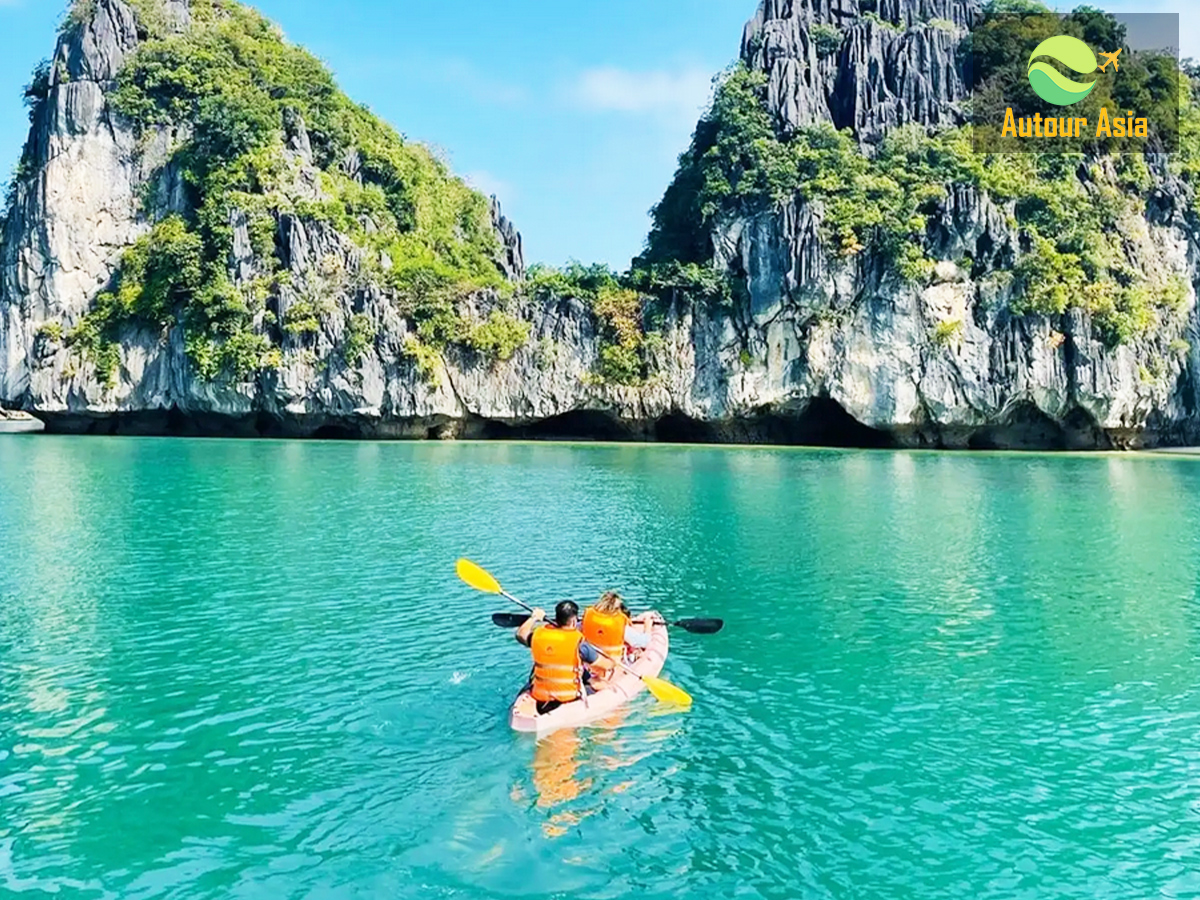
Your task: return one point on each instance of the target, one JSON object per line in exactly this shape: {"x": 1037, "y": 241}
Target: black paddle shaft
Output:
{"x": 694, "y": 626}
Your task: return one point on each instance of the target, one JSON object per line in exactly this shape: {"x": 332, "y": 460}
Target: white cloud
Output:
{"x": 480, "y": 86}
{"x": 679, "y": 94}
{"x": 489, "y": 184}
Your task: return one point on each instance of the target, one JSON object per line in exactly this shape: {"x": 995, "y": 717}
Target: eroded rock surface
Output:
{"x": 823, "y": 353}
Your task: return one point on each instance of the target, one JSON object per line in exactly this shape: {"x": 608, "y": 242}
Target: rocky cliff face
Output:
{"x": 824, "y": 351}
{"x": 892, "y": 67}
{"x": 84, "y": 202}
{"x": 871, "y": 345}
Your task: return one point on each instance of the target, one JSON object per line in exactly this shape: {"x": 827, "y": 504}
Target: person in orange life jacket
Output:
{"x": 560, "y": 657}
{"x": 608, "y": 626}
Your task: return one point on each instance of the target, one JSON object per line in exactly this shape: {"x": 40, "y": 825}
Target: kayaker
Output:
{"x": 560, "y": 657}
{"x": 608, "y": 626}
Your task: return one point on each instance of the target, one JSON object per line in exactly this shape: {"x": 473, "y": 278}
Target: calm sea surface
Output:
{"x": 247, "y": 670}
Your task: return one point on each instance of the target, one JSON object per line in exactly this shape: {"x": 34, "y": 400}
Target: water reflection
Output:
{"x": 574, "y": 773}
{"x": 555, "y": 767}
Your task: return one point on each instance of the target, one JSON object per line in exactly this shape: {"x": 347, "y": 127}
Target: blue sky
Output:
{"x": 572, "y": 113}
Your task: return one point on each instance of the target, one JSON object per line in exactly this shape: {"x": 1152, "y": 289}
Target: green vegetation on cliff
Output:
{"x": 263, "y": 135}
{"x": 1074, "y": 215}
{"x": 238, "y": 93}
{"x": 737, "y": 165}
{"x": 620, "y": 311}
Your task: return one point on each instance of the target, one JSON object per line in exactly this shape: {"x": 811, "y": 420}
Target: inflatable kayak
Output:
{"x": 624, "y": 687}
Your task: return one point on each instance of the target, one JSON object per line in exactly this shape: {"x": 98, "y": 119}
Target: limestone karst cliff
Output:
{"x": 184, "y": 260}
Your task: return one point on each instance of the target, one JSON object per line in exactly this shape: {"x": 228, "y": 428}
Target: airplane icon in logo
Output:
{"x": 1111, "y": 58}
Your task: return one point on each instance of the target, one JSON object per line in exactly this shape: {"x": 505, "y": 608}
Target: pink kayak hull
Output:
{"x": 524, "y": 717}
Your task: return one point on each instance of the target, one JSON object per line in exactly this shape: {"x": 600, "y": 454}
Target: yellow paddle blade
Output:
{"x": 478, "y": 578}
{"x": 667, "y": 692}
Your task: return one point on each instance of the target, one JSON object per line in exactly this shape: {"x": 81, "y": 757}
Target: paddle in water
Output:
{"x": 694, "y": 626}
{"x": 482, "y": 580}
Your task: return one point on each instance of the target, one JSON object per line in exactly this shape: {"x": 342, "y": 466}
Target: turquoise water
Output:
{"x": 246, "y": 669}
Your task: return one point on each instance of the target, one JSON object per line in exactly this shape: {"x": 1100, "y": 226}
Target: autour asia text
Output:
{"x": 1109, "y": 126}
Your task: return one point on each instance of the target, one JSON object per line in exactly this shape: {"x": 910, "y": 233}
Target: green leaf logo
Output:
{"x": 1050, "y": 84}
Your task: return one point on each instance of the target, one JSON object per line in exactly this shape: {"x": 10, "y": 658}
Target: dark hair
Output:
{"x": 565, "y": 612}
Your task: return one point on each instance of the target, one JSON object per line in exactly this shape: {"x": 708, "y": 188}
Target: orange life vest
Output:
{"x": 605, "y": 631}
{"x": 557, "y": 671}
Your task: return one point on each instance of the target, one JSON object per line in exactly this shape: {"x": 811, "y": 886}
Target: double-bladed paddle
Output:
{"x": 482, "y": 580}
{"x": 695, "y": 626}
